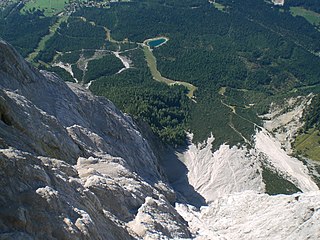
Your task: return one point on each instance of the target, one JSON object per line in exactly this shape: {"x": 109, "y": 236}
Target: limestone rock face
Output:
{"x": 248, "y": 215}
{"x": 158, "y": 219}
{"x": 43, "y": 198}
{"x": 72, "y": 166}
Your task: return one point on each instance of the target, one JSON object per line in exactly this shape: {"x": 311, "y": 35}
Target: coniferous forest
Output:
{"x": 241, "y": 57}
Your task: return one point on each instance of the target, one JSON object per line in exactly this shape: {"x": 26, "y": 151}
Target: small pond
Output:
{"x": 156, "y": 42}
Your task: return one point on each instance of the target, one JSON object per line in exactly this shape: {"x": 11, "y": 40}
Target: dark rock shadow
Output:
{"x": 171, "y": 168}
{"x": 177, "y": 173}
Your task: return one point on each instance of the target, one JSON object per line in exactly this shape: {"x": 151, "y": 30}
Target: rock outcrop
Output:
{"x": 249, "y": 215}
{"x": 72, "y": 166}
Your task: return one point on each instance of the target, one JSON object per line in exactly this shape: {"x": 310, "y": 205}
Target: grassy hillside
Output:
{"x": 49, "y": 7}
{"x": 307, "y": 143}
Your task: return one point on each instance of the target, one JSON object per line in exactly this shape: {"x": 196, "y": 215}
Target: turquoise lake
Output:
{"x": 156, "y": 42}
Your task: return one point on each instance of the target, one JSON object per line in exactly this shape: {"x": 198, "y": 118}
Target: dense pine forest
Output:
{"x": 241, "y": 55}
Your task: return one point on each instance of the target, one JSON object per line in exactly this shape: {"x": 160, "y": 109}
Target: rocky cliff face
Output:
{"x": 72, "y": 166}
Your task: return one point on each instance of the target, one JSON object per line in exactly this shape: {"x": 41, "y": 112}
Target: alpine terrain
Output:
{"x": 212, "y": 130}
{"x": 74, "y": 167}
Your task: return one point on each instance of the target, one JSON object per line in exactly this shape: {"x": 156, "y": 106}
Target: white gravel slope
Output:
{"x": 225, "y": 171}
{"x": 249, "y": 215}
{"x": 278, "y": 158}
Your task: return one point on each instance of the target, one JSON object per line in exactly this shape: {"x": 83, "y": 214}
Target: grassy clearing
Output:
{"x": 49, "y": 7}
{"x": 43, "y": 41}
{"x": 152, "y": 64}
{"x": 218, "y": 6}
{"x": 308, "y": 144}
{"x": 310, "y": 16}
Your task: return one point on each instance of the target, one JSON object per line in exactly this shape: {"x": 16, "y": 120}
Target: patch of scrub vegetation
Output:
{"x": 276, "y": 184}
{"x": 307, "y": 143}
{"x": 316, "y": 174}
{"x": 311, "y": 16}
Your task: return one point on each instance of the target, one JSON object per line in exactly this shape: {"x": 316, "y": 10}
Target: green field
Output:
{"x": 310, "y": 16}
{"x": 49, "y": 7}
{"x": 308, "y": 144}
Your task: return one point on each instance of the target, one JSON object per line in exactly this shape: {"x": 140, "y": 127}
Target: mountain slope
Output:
{"x": 72, "y": 165}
